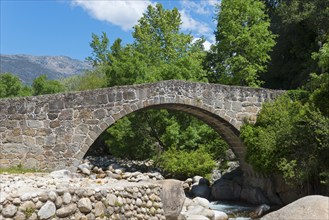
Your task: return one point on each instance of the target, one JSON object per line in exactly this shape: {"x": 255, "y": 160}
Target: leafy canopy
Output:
{"x": 243, "y": 43}
{"x": 291, "y": 137}
{"x": 12, "y": 86}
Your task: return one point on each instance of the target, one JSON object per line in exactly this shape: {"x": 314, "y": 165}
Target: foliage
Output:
{"x": 88, "y": 80}
{"x": 11, "y": 86}
{"x": 320, "y": 92}
{"x": 151, "y": 132}
{"x": 159, "y": 52}
{"x": 43, "y": 86}
{"x": 303, "y": 28}
{"x": 182, "y": 164}
{"x": 323, "y": 56}
{"x": 291, "y": 137}
{"x": 18, "y": 169}
{"x": 243, "y": 43}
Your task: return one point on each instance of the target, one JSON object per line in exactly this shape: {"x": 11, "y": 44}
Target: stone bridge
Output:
{"x": 55, "y": 131}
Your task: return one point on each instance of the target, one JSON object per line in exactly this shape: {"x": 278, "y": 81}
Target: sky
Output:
{"x": 64, "y": 27}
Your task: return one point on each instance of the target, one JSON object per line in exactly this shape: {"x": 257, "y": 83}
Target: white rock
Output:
{"x": 47, "y": 210}
{"x": 220, "y": 215}
{"x": 201, "y": 201}
{"x": 60, "y": 174}
{"x": 67, "y": 198}
{"x": 308, "y": 207}
{"x": 196, "y": 217}
{"x": 196, "y": 179}
{"x": 84, "y": 205}
{"x": 9, "y": 211}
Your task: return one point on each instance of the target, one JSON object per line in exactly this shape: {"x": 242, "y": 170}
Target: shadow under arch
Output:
{"x": 225, "y": 129}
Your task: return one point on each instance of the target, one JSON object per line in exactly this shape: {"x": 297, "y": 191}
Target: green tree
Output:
{"x": 291, "y": 137}
{"x": 43, "y": 86}
{"x": 302, "y": 28}
{"x": 159, "y": 52}
{"x": 11, "y": 86}
{"x": 88, "y": 80}
{"x": 243, "y": 43}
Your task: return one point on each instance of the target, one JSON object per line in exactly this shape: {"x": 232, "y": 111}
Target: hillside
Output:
{"x": 28, "y": 67}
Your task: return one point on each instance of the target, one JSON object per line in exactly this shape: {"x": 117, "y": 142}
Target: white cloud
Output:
{"x": 207, "y": 44}
{"x": 121, "y": 13}
{"x": 190, "y": 24}
{"x": 200, "y": 7}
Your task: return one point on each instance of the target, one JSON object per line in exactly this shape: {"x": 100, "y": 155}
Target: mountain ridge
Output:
{"x": 28, "y": 67}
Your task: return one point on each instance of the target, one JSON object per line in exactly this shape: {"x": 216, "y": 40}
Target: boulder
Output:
{"x": 200, "y": 188}
{"x": 253, "y": 195}
{"x": 202, "y": 191}
{"x": 259, "y": 211}
{"x": 201, "y": 201}
{"x": 219, "y": 215}
{"x": 309, "y": 207}
{"x": 228, "y": 187}
{"x": 173, "y": 197}
{"x": 224, "y": 189}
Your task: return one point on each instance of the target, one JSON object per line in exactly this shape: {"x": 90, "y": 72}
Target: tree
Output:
{"x": 302, "y": 27}
{"x": 43, "y": 86}
{"x": 243, "y": 43}
{"x": 88, "y": 80}
{"x": 159, "y": 52}
{"x": 11, "y": 86}
{"x": 291, "y": 138}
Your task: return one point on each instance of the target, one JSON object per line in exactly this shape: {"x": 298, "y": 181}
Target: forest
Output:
{"x": 277, "y": 44}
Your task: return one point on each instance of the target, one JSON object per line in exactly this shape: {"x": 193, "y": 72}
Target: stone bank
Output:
{"x": 40, "y": 196}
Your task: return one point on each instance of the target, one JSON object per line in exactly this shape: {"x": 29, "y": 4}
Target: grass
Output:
{"x": 18, "y": 169}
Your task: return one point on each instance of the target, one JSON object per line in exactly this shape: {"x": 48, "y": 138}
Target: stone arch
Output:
{"x": 225, "y": 129}
{"x": 54, "y": 131}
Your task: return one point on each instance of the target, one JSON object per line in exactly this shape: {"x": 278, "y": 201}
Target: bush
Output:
{"x": 182, "y": 164}
{"x": 291, "y": 137}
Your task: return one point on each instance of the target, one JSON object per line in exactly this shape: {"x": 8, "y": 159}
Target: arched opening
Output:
{"x": 219, "y": 126}
{"x": 226, "y": 130}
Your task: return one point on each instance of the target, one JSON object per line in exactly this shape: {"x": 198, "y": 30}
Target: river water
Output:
{"x": 235, "y": 210}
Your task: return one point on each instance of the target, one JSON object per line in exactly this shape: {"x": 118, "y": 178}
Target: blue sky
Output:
{"x": 64, "y": 27}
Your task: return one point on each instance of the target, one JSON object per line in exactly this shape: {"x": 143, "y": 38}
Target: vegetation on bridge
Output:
{"x": 274, "y": 43}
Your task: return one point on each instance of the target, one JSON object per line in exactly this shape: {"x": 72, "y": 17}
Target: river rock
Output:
{"x": 201, "y": 201}
{"x": 196, "y": 217}
{"x": 259, "y": 211}
{"x": 67, "y": 198}
{"x": 313, "y": 207}
{"x": 58, "y": 174}
{"x": 9, "y": 211}
{"x": 84, "y": 205}
{"x": 66, "y": 210}
{"x": 100, "y": 209}
{"x": 47, "y": 210}
{"x": 220, "y": 215}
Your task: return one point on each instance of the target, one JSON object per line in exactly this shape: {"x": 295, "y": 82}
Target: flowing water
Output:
{"x": 235, "y": 210}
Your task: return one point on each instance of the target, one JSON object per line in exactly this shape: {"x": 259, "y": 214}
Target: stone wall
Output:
{"x": 53, "y": 132}
{"x": 116, "y": 202}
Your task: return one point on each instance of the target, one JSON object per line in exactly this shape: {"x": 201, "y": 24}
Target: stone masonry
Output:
{"x": 53, "y": 132}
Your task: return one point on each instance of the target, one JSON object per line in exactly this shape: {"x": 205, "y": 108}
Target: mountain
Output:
{"x": 28, "y": 67}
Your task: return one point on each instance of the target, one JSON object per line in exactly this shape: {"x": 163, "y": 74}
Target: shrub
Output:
{"x": 290, "y": 137}
{"x": 183, "y": 164}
